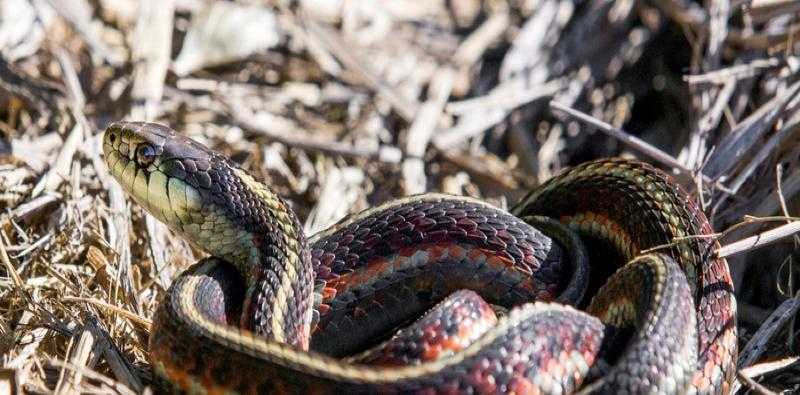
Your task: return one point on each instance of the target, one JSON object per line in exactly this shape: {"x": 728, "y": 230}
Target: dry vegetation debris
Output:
{"x": 340, "y": 105}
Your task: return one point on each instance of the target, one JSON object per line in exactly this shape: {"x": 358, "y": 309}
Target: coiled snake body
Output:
{"x": 270, "y": 311}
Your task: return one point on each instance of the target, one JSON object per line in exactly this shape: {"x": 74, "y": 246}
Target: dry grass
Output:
{"x": 340, "y": 105}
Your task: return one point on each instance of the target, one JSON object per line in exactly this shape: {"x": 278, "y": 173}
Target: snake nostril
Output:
{"x": 112, "y": 138}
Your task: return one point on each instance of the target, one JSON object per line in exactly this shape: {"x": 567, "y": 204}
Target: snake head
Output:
{"x": 200, "y": 194}
{"x": 160, "y": 169}
{"x": 180, "y": 182}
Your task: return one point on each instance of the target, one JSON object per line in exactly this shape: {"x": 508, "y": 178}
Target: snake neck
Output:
{"x": 279, "y": 299}
{"x": 246, "y": 224}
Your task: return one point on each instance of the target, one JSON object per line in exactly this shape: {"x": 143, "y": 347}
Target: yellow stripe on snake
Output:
{"x": 270, "y": 311}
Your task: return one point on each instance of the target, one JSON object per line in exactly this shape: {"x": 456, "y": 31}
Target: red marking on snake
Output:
{"x": 520, "y": 385}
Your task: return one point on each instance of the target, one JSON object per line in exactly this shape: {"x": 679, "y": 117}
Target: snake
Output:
{"x": 603, "y": 279}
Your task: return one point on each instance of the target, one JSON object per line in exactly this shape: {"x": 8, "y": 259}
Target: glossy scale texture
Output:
{"x": 242, "y": 320}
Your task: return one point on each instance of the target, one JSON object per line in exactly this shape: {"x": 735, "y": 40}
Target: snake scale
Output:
{"x": 270, "y": 311}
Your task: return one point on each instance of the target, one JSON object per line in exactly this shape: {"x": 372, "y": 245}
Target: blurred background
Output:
{"x": 340, "y": 105}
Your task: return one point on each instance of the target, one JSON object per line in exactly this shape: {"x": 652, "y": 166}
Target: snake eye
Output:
{"x": 145, "y": 154}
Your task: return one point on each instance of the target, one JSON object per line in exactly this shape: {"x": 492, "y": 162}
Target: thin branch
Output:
{"x": 759, "y": 240}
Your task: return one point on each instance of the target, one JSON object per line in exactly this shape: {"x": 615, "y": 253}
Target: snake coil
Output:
{"x": 270, "y": 311}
